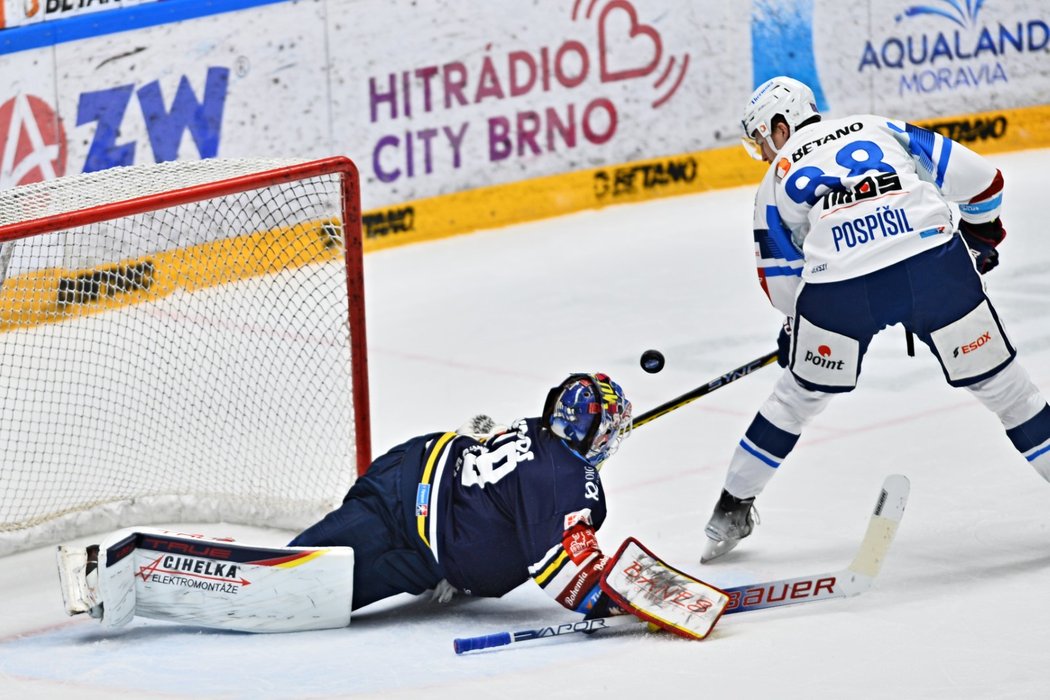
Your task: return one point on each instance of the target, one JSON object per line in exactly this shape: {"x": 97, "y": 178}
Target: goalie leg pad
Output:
{"x": 218, "y": 583}
{"x": 99, "y": 580}
{"x": 640, "y": 583}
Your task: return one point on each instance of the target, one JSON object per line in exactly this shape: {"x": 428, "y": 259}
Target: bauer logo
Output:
{"x": 953, "y": 46}
{"x": 34, "y": 142}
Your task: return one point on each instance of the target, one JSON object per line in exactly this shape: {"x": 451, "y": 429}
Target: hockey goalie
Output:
{"x": 476, "y": 512}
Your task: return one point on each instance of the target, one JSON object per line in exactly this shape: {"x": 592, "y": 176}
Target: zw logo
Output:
{"x": 970, "y": 347}
{"x": 638, "y": 178}
{"x": 868, "y": 188}
{"x": 389, "y": 221}
{"x": 823, "y": 359}
{"x": 108, "y": 282}
{"x": 165, "y": 126}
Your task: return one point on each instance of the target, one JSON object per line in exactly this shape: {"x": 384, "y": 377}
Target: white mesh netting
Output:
{"x": 187, "y": 364}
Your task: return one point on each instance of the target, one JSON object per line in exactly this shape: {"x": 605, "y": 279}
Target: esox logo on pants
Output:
{"x": 986, "y": 337}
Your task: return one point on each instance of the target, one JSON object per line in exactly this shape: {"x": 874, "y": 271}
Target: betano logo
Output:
{"x": 971, "y": 54}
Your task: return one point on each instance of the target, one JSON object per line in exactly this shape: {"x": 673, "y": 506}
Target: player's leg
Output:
{"x": 207, "y": 582}
{"x": 961, "y": 326}
{"x": 372, "y": 521}
{"x": 832, "y": 333}
{"x": 1023, "y": 411}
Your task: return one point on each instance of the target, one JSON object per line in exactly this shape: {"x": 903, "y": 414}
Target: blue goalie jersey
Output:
{"x": 521, "y": 505}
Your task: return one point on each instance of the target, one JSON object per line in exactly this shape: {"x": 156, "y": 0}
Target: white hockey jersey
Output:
{"x": 849, "y": 196}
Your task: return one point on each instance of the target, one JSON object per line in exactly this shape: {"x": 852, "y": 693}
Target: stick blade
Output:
{"x": 886, "y": 516}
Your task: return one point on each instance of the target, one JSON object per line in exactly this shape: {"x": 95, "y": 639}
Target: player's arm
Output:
{"x": 570, "y": 570}
{"x": 634, "y": 581}
{"x": 778, "y": 260}
{"x": 964, "y": 177}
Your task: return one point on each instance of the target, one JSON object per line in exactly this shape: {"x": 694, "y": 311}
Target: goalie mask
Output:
{"x": 789, "y": 98}
{"x": 589, "y": 412}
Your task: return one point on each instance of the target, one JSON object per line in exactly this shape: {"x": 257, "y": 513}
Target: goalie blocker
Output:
{"x": 210, "y": 582}
{"x": 638, "y": 582}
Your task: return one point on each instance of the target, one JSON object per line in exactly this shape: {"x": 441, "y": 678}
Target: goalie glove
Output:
{"x": 982, "y": 240}
{"x": 638, "y": 582}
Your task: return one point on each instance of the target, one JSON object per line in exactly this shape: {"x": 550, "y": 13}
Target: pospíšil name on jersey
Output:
{"x": 849, "y": 196}
{"x": 520, "y": 505}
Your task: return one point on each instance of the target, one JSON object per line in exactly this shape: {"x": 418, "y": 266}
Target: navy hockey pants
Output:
{"x": 372, "y": 521}
{"x": 927, "y": 293}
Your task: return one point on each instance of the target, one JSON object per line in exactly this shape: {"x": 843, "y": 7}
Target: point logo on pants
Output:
{"x": 32, "y": 142}
{"x": 822, "y": 358}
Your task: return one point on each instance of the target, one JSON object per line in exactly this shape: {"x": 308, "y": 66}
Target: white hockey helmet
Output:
{"x": 791, "y": 99}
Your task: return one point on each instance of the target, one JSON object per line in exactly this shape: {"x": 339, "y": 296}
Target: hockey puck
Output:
{"x": 652, "y": 361}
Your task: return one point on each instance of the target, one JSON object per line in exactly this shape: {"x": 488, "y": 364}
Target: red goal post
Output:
{"x": 181, "y": 342}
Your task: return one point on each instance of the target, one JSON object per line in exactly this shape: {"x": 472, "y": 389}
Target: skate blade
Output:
{"x": 716, "y": 548}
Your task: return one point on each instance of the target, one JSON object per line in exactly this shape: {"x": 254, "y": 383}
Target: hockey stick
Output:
{"x": 690, "y": 396}
{"x": 853, "y": 580}
{"x": 487, "y": 641}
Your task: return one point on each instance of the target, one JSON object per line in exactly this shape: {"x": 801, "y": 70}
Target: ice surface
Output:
{"x": 488, "y": 322}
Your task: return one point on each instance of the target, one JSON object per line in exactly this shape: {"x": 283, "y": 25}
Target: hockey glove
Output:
{"x": 982, "y": 239}
{"x": 784, "y": 343}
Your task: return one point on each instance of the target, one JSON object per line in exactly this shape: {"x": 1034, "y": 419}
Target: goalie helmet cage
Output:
{"x": 181, "y": 342}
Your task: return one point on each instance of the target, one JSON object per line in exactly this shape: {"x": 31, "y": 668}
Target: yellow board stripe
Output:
{"x": 54, "y": 295}
{"x": 428, "y": 471}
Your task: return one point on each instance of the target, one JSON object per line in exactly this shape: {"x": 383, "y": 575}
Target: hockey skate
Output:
{"x": 733, "y": 520}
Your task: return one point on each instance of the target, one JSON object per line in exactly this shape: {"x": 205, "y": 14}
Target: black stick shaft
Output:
{"x": 705, "y": 389}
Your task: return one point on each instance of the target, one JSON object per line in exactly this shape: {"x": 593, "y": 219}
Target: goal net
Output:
{"x": 180, "y": 342}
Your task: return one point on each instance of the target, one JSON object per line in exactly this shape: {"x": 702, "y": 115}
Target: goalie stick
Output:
{"x": 853, "y": 580}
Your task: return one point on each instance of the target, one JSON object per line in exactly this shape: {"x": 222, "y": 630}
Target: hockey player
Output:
{"x": 853, "y": 233}
{"x": 478, "y": 511}
{"x": 484, "y": 509}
